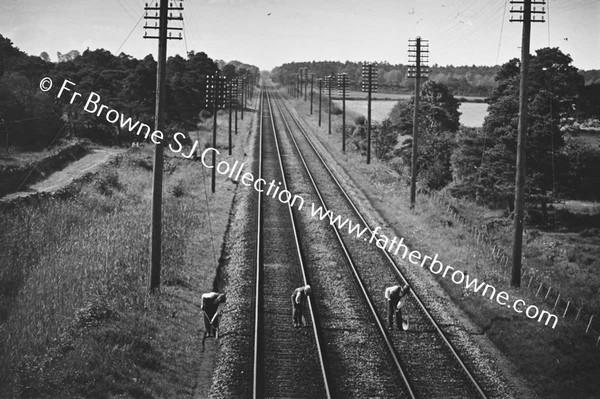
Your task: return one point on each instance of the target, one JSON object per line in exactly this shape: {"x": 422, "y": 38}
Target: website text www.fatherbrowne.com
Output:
{"x": 396, "y": 246}
{"x": 273, "y": 189}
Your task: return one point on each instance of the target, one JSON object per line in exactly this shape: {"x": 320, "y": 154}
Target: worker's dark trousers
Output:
{"x": 391, "y": 310}
{"x": 297, "y": 312}
{"x": 211, "y": 329}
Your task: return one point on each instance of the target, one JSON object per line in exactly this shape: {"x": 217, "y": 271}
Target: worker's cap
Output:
{"x": 221, "y": 298}
{"x": 307, "y": 290}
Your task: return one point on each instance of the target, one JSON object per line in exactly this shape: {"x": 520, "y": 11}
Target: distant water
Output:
{"x": 472, "y": 114}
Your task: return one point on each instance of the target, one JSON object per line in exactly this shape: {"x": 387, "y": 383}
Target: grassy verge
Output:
{"x": 75, "y": 319}
{"x": 560, "y": 362}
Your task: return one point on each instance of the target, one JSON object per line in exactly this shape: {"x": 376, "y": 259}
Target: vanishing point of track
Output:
{"x": 325, "y": 362}
{"x": 287, "y": 362}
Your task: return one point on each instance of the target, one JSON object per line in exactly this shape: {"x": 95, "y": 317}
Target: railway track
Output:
{"x": 287, "y": 362}
{"x": 427, "y": 362}
{"x": 357, "y": 358}
{"x": 345, "y": 350}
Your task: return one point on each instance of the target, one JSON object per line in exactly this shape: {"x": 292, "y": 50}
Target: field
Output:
{"x": 75, "y": 317}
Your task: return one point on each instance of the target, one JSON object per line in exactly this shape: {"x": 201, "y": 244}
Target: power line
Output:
{"x": 501, "y": 30}
{"x": 126, "y": 10}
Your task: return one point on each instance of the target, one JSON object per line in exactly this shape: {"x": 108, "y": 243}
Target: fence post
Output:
{"x": 556, "y": 303}
{"x": 539, "y": 289}
{"x": 578, "y": 313}
{"x": 589, "y": 324}
{"x": 548, "y": 293}
{"x": 530, "y": 280}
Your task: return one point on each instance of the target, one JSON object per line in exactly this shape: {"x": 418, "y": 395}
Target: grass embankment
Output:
{"x": 75, "y": 319}
{"x": 559, "y": 363}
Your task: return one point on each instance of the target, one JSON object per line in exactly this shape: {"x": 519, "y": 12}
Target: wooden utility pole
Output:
{"x": 526, "y": 14}
{"x": 216, "y": 96}
{"x": 369, "y": 114}
{"x": 342, "y": 86}
{"x": 243, "y": 98}
{"x": 320, "y": 84}
{"x": 238, "y": 83}
{"x": 369, "y": 85}
{"x": 312, "y": 82}
{"x": 329, "y": 82}
{"x": 229, "y": 104}
{"x": 300, "y": 75}
{"x": 157, "y": 173}
{"x": 305, "y": 83}
{"x": 417, "y": 53}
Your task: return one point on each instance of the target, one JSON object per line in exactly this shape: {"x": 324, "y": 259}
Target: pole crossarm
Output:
{"x": 369, "y": 85}
{"x": 523, "y": 12}
{"x": 169, "y": 17}
{"x": 216, "y": 91}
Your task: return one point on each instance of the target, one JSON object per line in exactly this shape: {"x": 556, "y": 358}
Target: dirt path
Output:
{"x": 62, "y": 178}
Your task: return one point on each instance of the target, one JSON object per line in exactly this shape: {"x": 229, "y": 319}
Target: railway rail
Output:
{"x": 287, "y": 363}
{"x": 427, "y": 361}
{"x": 345, "y": 350}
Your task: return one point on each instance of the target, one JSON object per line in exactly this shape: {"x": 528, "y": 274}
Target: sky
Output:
{"x": 268, "y": 33}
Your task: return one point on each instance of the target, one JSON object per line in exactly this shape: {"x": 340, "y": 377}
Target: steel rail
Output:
{"x": 380, "y": 326}
{"x": 300, "y": 258}
{"x": 256, "y": 373}
{"x": 258, "y": 259}
{"x": 393, "y": 263}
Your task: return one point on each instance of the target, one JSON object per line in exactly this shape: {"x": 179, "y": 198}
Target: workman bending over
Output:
{"x": 298, "y": 302}
{"x": 393, "y": 295}
{"x": 211, "y": 305}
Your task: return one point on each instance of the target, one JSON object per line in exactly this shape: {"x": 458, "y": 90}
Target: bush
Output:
{"x": 178, "y": 189}
{"x": 108, "y": 183}
{"x": 360, "y": 120}
{"x": 335, "y": 110}
{"x": 205, "y": 114}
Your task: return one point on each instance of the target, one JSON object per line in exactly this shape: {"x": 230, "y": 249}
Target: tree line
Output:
{"x": 464, "y": 80}
{"x": 30, "y": 118}
{"x": 479, "y": 163}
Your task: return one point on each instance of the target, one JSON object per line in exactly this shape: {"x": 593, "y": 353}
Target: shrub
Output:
{"x": 178, "y": 189}
{"x": 108, "y": 183}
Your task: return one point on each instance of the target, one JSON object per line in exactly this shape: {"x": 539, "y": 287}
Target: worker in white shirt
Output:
{"x": 393, "y": 295}
{"x": 211, "y": 305}
{"x": 298, "y": 302}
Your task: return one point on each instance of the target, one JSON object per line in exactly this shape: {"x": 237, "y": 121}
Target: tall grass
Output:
{"x": 89, "y": 252}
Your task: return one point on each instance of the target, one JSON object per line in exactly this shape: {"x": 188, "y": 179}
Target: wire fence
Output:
{"x": 562, "y": 306}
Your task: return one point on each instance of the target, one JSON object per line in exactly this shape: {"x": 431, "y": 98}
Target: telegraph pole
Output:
{"x": 527, "y": 17}
{"x": 234, "y": 100}
{"x": 369, "y": 84}
{"x": 320, "y": 84}
{"x": 329, "y": 83}
{"x": 163, "y": 34}
{"x": 305, "y": 83}
{"x": 215, "y": 95}
{"x": 237, "y": 104}
{"x": 243, "y": 98}
{"x": 229, "y": 105}
{"x": 300, "y": 74}
{"x": 418, "y": 53}
{"x": 312, "y": 82}
{"x": 342, "y": 86}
